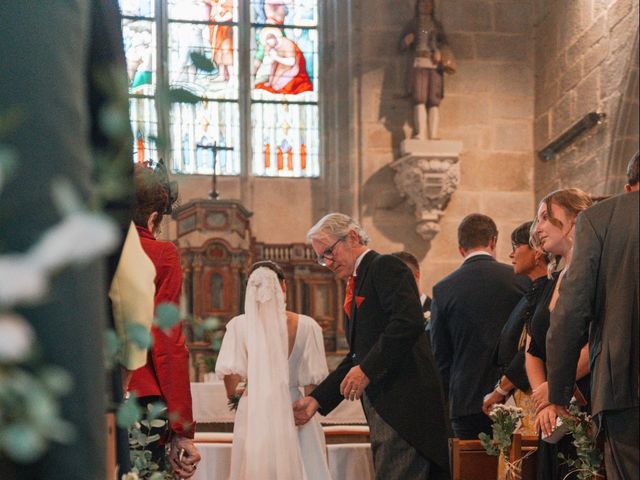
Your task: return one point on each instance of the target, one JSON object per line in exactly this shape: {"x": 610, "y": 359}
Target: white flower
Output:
{"x": 130, "y": 476}
{"x": 21, "y": 280}
{"x": 79, "y": 237}
{"x": 16, "y": 338}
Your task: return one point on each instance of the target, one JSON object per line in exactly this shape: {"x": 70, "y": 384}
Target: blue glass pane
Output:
{"x": 203, "y": 10}
{"x": 216, "y": 43}
{"x": 137, "y": 8}
{"x": 144, "y": 124}
{"x": 285, "y": 140}
{"x": 285, "y": 12}
{"x": 194, "y": 131}
{"x": 140, "y": 49}
{"x": 285, "y": 64}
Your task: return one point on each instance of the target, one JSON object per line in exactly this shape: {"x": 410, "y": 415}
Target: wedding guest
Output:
{"x": 554, "y": 227}
{"x": 412, "y": 262}
{"x": 388, "y": 366}
{"x": 278, "y": 353}
{"x": 633, "y": 174}
{"x": 509, "y": 353}
{"x": 165, "y": 377}
{"x": 599, "y": 295}
{"x": 470, "y": 306}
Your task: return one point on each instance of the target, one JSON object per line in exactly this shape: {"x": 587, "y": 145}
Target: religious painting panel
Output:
{"x": 139, "y": 37}
{"x": 285, "y": 12}
{"x": 205, "y": 133}
{"x": 137, "y": 8}
{"x": 285, "y": 64}
{"x": 144, "y": 125}
{"x": 213, "y": 48}
{"x": 285, "y": 139}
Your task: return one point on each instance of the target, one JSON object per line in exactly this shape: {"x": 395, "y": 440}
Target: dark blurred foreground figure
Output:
{"x": 62, "y": 66}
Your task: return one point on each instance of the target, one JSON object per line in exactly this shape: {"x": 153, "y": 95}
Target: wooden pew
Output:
{"x": 470, "y": 461}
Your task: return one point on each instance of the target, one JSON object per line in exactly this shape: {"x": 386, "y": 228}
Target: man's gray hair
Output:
{"x": 337, "y": 225}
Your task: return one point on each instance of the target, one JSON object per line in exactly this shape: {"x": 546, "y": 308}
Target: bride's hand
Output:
{"x": 304, "y": 409}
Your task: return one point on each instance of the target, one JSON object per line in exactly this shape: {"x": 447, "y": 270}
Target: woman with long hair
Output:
{"x": 278, "y": 353}
{"x": 554, "y": 229}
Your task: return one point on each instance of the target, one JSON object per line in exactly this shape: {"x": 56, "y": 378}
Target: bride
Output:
{"x": 277, "y": 352}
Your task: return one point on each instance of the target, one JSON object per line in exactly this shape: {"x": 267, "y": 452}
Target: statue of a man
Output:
{"x": 431, "y": 59}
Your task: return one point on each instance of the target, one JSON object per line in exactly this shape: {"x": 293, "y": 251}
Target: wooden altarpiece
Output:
{"x": 217, "y": 249}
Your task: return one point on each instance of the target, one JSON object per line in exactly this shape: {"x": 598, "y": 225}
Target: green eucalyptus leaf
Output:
{"x": 211, "y": 323}
{"x": 156, "y": 410}
{"x": 157, "y": 423}
{"x": 57, "y": 379}
{"x": 139, "y": 335}
{"x": 128, "y": 414}
{"x": 22, "y": 443}
{"x": 65, "y": 197}
{"x": 167, "y": 315}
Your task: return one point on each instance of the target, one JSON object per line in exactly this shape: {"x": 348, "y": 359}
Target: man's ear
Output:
{"x": 462, "y": 251}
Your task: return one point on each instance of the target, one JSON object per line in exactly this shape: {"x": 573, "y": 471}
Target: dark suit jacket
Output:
{"x": 600, "y": 289}
{"x": 469, "y": 309}
{"x": 387, "y": 339}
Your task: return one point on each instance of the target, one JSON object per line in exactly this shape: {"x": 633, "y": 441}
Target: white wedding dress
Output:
{"x": 307, "y": 366}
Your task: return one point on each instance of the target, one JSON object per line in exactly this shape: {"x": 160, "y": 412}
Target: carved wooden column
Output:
{"x": 427, "y": 173}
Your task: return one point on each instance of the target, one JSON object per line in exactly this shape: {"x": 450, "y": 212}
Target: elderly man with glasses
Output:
{"x": 389, "y": 366}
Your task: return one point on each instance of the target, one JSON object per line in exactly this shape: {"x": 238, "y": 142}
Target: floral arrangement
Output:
{"x": 588, "y": 461}
{"x": 506, "y": 420}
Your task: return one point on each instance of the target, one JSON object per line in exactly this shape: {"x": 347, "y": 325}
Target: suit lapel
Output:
{"x": 361, "y": 275}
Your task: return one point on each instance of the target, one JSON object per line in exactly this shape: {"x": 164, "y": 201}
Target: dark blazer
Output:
{"x": 470, "y": 306}
{"x": 387, "y": 339}
{"x": 600, "y": 290}
{"x": 509, "y": 355}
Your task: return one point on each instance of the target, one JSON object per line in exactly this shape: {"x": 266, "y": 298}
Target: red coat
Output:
{"x": 166, "y": 373}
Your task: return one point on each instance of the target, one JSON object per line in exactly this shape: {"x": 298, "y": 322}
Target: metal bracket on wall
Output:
{"x": 587, "y": 122}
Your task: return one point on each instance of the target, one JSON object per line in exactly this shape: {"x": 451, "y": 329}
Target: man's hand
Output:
{"x": 354, "y": 384}
{"x": 540, "y": 396}
{"x": 183, "y": 467}
{"x": 304, "y": 409}
{"x": 490, "y": 399}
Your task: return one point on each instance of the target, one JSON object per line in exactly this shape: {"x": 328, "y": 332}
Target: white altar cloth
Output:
{"x": 347, "y": 461}
{"x": 210, "y": 406}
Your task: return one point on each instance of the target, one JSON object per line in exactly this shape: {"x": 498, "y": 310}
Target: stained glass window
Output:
{"x": 279, "y": 39}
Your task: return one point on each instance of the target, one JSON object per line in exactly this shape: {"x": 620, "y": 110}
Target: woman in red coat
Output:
{"x": 165, "y": 377}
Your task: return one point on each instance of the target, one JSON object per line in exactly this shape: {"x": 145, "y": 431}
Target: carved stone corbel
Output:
{"x": 427, "y": 174}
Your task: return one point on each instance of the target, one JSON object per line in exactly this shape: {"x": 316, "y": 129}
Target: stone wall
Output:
{"x": 586, "y": 60}
{"x": 488, "y": 105}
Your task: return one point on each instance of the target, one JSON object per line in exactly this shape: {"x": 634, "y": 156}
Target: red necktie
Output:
{"x": 348, "y": 298}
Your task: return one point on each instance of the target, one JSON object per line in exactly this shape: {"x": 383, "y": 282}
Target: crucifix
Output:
{"x": 214, "y": 194}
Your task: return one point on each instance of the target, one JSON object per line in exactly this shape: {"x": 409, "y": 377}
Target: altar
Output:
{"x": 209, "y": 401}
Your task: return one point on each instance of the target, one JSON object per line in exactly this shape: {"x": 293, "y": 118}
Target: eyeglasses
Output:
{"x": 328, "y": 253}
